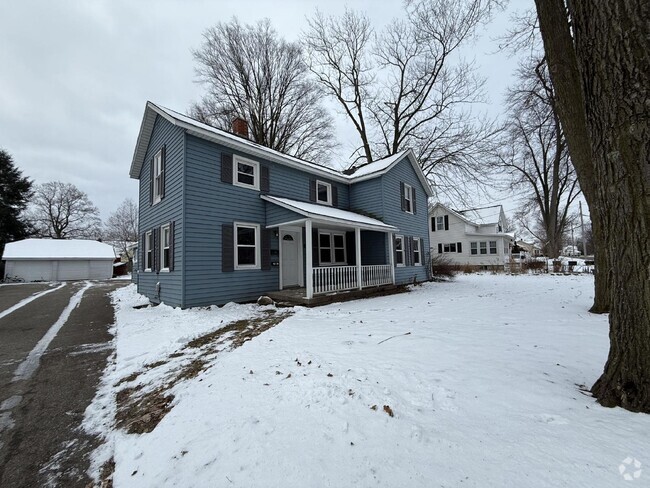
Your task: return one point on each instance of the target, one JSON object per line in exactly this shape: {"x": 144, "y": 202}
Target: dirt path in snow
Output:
{"x": 40, "y": 440}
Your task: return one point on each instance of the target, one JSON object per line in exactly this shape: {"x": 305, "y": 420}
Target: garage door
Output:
{"x": 73, "y": 270}
{"x": 30, "y": 270}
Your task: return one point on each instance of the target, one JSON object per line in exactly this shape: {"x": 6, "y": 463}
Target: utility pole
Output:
{"x": 582, "y": 227}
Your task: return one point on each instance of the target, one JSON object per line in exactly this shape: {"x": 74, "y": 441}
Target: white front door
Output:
{"x": 291, "y": 256}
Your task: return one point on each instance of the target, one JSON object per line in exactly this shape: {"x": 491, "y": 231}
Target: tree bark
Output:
{"x": 570, "y": 105}
{"x": 603, "y": 74}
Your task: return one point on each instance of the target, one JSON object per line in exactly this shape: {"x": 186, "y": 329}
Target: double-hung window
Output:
{"x": 408, "y": 198}
{"x": 158, "y": 177}
{"x": 246, "y": 173}
{"x": 399, "y": 250}
{"x": 451, "y": 247}
{"x": 493, "y": 247}
{"x": 323, "y": 193}
{"x": 247, "y": 246}
{"x": 483, "y": 247}
{"x": 165, "y": 241}
{"x": 440, "y": 223}
{"x": 148, "y": 251}
{"x": 331, "y": 248}
{"x": 417, "y": 259}
{"x": 473, "y": 246}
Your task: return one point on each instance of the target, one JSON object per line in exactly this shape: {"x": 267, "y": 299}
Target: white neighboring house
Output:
{"x": 58, "y": 260}
{"x": 474, "y": 236}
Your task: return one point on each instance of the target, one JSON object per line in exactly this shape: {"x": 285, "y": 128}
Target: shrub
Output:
{"x": 442, "y": 268}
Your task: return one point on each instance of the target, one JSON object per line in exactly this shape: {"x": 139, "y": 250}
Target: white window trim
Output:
{"x": 162, "y": 248}
{"x": 481, "y": 247}
{"x": 256, "y": 172}
{"x": 473, "y": 249}
{"x": 258, "y": 252}
{"x": 397, "y": 251}
{"x": 408, "y": 197}
{"x": 147, "y": 250}
{"x": 331, "y": 234}
{"x": 496, "y": 248}
{"x": 419, "y": 253}
{"x": 329, "y": 192}
{"x": 157, "y": 173}
{"x": 440, "y": 225}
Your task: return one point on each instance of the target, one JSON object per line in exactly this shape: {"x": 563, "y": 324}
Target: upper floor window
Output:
{"x": 247, "y": 246}
{"x": 158, "y": 177}
{"x": 399, "y": 250}
{"x": 165, "y": 242}
{"x": 323, "y": 192}
{"x": 440, "y": 223}
{"x": 246, "y": 173}
{"x": 408, "y": 198}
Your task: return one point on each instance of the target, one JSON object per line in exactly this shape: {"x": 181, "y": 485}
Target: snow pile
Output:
{"x": 481, "y": 375}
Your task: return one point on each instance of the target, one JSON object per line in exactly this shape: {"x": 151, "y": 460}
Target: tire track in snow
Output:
{"x": 29, "y": 299}
{"x": 33, "y": 359}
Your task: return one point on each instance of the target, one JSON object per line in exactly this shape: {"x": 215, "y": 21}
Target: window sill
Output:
{"x": 148, "y": 270}
{"x": 244, "y": 268}
{"x": 164, "y": 270}
{"x": 329, "y": 204}
{"x": 244, "y": 185}
{"x": 400, "y": 266}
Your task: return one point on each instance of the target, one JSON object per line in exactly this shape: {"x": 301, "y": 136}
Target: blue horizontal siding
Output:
{"x": 168, "y": 209}
{"x": 414, "y": 225}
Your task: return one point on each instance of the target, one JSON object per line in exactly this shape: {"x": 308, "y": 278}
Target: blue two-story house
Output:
{"x": 225, "y": 219}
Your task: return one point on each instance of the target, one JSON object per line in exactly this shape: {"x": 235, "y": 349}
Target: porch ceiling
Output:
{"x": 328, "y": 215}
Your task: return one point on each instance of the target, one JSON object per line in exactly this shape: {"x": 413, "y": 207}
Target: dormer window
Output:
{"x": 323, "y": 193}
{"x": 246, "y": 173}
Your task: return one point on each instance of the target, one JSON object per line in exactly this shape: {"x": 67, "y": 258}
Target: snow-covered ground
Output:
{"x": 481, "y": 376}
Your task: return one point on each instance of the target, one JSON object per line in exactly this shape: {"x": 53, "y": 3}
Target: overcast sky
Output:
{"x": 75, "y": 76}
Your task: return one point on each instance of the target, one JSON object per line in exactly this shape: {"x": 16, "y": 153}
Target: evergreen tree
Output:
{"x": 15, "y": 192}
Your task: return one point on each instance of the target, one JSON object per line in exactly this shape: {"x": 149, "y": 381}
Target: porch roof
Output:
{"x": 329, "y": 214}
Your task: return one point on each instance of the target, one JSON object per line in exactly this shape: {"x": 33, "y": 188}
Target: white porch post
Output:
{"x": 309, "y": 280}
{"x": 357, "y": 246}
{"x": 391, "y": 255}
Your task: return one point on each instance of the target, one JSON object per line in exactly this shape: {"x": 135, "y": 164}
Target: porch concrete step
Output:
{"x": 298, "y": 296}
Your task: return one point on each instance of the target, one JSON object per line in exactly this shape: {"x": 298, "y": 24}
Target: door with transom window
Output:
{"x": 291, "y": 258}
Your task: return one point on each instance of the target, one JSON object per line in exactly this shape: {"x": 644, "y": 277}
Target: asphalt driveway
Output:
{"x": 53, "y": 350}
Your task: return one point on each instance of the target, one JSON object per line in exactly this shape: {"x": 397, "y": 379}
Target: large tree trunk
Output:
{"x": 570, "y": 105}
{"x": 610, "y": 58}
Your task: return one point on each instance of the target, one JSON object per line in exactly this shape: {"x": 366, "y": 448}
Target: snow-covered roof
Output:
{"x": 199, "y": 129}
{"x": 58, "y": 249}
{"x": 329, "y": 214}
{"x": 483, "y": 215}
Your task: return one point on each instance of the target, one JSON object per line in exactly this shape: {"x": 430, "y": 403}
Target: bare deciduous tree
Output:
{"x": 524, "y": 35}
{"x": 534, "y": 158}
{"x": 62, "y": 211}
{"x": 252, "y": 73}
{"x": 598, "y": 59}
{"x": 406, "y": 87}
{"x": 121, "y": 228}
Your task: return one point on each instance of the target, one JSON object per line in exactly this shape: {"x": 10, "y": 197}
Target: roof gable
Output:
{"x": 198, "y": 129}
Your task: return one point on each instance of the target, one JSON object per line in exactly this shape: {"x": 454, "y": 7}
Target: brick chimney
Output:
{"x": 240, "y": 127}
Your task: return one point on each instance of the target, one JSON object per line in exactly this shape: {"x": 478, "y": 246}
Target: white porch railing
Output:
{"x": 376, "y": 275}
{"x": 329, "y": 279}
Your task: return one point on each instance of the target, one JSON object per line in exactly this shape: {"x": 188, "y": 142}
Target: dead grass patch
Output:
{"x": 139, "y": 412}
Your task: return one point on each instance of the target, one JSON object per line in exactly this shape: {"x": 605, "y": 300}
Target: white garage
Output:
{"x": 58, "y": 260}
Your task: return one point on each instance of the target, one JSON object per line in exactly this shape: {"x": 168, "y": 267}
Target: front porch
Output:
{"x": 325, "y": 251}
